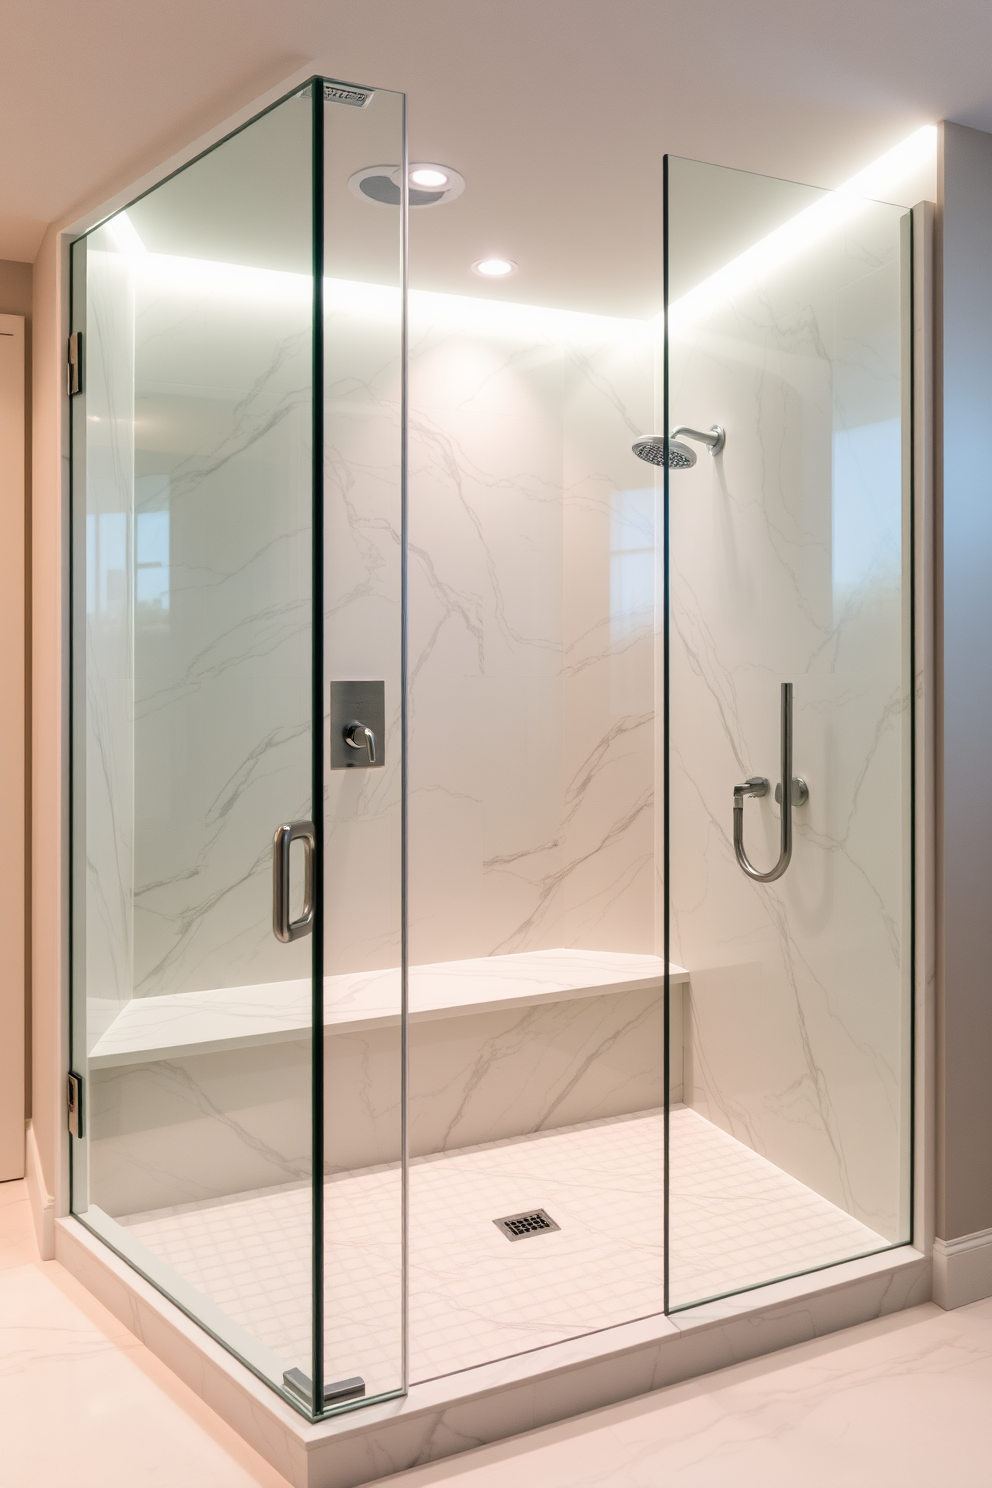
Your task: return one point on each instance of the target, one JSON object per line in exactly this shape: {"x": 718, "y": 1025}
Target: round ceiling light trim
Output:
{"x": 380, "y": 184}
{"x": 494, "y": 267}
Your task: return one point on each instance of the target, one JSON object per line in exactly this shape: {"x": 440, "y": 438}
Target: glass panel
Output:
{"x": 363, "y": 610}
{"x": 192, "y": 730}
{"x": 787, "y": 326}
{"x": 536, "y": 981}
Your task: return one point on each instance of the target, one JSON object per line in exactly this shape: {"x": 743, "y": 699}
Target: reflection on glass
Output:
{"x": 789, "y": 563}
{"x": 363, "y": 537}
{"x": 192, "y": 494}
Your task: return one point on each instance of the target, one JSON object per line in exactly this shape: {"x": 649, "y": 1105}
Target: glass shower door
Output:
{"x": 236, "y": 473}
{"x": 363, "y": 1210}
{"x": 787, "y": 331}
{"x": 192, "y": 737}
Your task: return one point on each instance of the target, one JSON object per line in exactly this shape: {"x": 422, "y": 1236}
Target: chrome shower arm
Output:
{"x": 714, "y": 440}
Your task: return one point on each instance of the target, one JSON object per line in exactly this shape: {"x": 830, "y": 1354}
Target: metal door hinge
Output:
{"x": 74, "y": 1104}
{"x": 74, "y": 366}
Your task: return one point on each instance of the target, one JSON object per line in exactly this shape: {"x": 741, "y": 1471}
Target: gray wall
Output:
{"x": 963, "y": 649}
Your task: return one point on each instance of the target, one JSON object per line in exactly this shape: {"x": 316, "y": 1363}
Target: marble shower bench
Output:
{"x": 200, "y": 1094}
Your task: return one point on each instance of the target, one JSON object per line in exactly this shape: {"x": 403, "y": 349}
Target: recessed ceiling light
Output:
{"x": 428, "y": 175}
{"x": 495, "y": 268}
{"x": 430, "y": 185}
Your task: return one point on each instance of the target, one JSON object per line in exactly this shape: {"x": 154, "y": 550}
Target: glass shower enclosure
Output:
{"x": 242, "y": 355}
{"x": 552, "y": 1014}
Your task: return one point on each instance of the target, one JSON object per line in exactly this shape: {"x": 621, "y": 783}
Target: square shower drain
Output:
{"x": 530, "y": 1222}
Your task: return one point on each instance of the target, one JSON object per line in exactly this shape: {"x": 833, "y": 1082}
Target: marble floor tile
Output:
{"x": 83, "y": 1402}
{"x": 475, "y": 1296}
{"x": 901, "y": 1402}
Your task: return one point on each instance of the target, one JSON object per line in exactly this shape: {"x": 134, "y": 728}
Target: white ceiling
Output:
{"x": 557, "y": 112}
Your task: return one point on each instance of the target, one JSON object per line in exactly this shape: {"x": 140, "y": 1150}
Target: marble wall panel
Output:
{"x": 786, "y": 566}
{"x": 535, "y": 827}
{"x": 222, "y": 634}
{"x": 609, "y": 893}
{"x": 485, "y": 623}
{"x": 362, "y": 629}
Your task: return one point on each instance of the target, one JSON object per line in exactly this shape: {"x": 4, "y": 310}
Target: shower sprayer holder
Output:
{"x": 758, "y": 786}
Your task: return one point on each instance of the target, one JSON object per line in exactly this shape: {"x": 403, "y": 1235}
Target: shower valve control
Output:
{"x": 360, "y": 736}
{"x": 358, "y": 725}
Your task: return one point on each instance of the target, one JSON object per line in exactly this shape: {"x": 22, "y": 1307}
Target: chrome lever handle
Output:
{"x": 798, "y": 795}
{"x": 283, "y": 928}
{"x": 360, "y": 736}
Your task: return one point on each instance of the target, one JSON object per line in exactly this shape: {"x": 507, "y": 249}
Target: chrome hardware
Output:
{"x": 359, "y": 736}
{"x": 74, "y": 1104}
{"x": 800, "y": 791}
{"x": 283, "y": 928}
{"x": 758, "y": 786}
{"x": 358, "y": 725}
{"x": 301, "y": 1385}
{"x": 74, "y": 365}
{"x": 714, "y": 440}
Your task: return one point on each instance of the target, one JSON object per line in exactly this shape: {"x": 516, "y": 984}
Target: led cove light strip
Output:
{"x": 808, "y": 226}
{"x": 495, "y": 317}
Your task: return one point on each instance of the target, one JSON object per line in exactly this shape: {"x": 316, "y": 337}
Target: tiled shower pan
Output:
{"x": 545, "y": 1309}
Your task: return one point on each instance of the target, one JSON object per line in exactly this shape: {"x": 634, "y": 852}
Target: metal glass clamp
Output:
{"x": 74, "y": 1103}
{"x": 283, "y": 928}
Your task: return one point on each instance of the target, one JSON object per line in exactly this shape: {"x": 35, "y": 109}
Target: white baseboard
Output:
{"x": 42, "y": 1203}
{"x": 962, "y": 1269}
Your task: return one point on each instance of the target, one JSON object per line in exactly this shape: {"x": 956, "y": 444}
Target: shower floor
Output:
{"x": 736, "y": 1221}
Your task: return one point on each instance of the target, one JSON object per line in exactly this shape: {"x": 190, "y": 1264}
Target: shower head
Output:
{"x": 652, "y": 449}
{"x": 680, "y": 456}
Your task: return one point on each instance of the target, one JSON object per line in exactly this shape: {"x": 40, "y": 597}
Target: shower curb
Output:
{"x": 491, "y": 1402}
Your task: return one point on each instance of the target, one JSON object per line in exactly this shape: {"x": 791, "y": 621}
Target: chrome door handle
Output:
{"x": 360, "y": 736}
{"x": 757, "y": 785}
{"x": 283, "y": 928}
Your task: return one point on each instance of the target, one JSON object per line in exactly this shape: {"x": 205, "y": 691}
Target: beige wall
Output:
{"x": 15, "y": 299}
{"x": 15, "y": 288}
{"x": 49, "y": 798}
